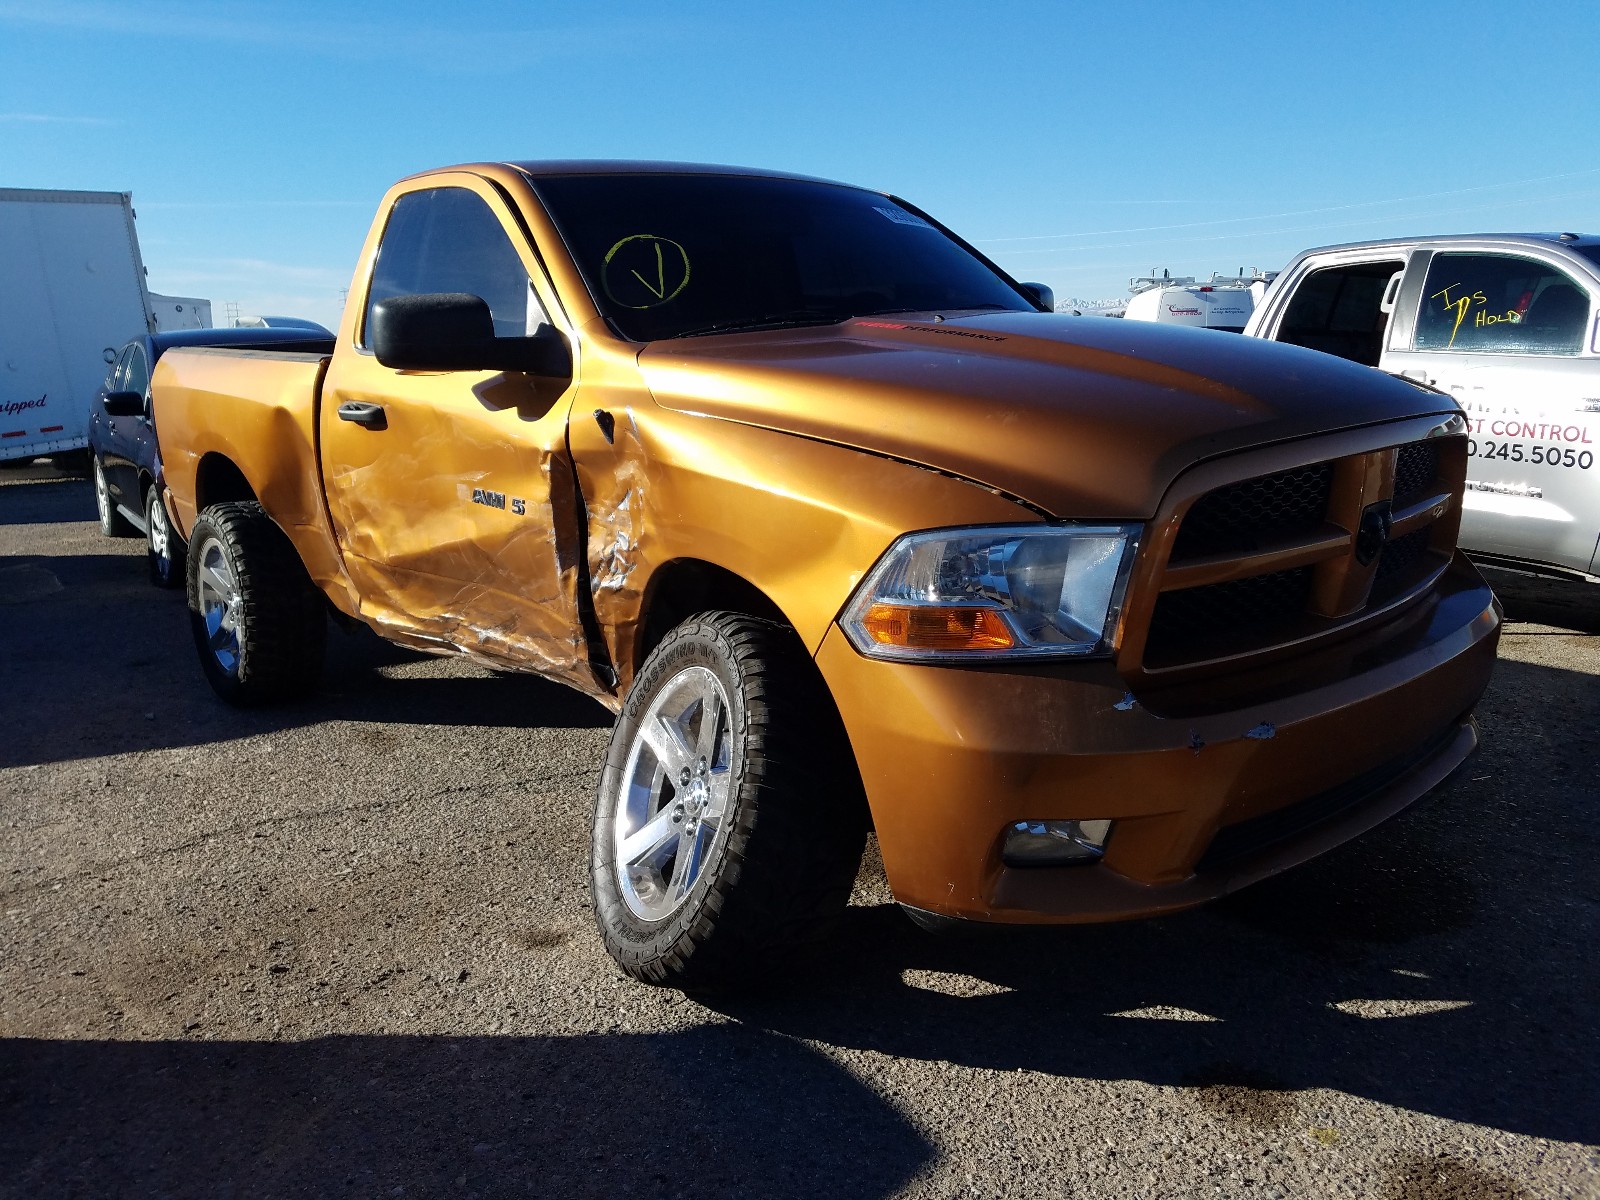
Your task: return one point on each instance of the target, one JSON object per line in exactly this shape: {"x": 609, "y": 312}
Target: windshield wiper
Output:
{"x": 793, "y": 319}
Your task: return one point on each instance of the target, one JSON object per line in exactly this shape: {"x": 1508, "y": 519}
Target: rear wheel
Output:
{"x": 258, "y": 620}
{"x": 729, "y": 820}
{"x": 162, "y": 543}
{"x": 112, "y": 522}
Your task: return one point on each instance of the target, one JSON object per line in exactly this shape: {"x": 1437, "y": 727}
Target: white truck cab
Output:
{"x": 1507, "y": 324}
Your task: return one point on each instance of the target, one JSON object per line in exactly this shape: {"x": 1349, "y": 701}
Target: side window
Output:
{"x": 449, "y": 240}
{"x": 1499, "y": 303}
{"x": 1338, "y": 310}
{"x": 138, "y": 377}
{"x": 118, "y": 370}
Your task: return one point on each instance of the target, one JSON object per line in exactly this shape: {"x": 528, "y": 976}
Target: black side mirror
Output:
{"x": 454, "y": 331}
{"x": 123, "y": 404}
{"x": 1042, "y": 294}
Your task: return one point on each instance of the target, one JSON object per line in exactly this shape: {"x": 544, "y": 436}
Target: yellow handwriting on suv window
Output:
{"x": 1460, "y": 306}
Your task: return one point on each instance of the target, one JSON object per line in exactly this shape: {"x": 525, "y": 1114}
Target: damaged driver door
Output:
{"x": 451, "y": 492}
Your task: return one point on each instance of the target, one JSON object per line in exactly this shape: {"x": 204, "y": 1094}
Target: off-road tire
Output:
{"x": 278, "y": 625}
{"x": 779, "y": 873}
{"x": 164, "y": 548}
{"x": 112, "y": 522}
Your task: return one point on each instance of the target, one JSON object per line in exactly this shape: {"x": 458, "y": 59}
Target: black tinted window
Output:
{"x": 138, "y": 376}
{"x": 1338, "y": 310}
{"x": 448, "y": 240}
{"x": 116, "y": 371}
{"x": 669, "y": 255}
{"x": 1500, "y": 303}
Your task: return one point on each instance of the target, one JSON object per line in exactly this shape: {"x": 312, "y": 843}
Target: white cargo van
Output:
{"x": 72, "y": 290}
{"x": 1223, "y": 302}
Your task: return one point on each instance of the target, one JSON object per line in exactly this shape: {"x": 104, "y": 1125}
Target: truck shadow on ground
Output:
{"x": 96, "y": 661}
{"x": 721, "y": 1110}
{"x": 1245, "y": 1007}
{"x": 1565, "y": 604}
{"x": 1443, "y": 963}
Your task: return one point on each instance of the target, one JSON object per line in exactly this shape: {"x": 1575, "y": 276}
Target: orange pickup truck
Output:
{"x": 1086, "y": 619}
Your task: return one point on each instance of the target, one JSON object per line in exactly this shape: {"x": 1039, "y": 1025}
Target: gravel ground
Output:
{"x": 344, "y": 949}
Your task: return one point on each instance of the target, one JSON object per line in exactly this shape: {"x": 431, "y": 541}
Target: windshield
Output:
{"x": 678, "y": 255}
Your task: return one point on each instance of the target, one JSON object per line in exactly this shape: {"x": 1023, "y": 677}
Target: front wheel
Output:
{"x": 163, "y": 546}
{"x": 729, "y": 819}
{"x": 258, "y": 620}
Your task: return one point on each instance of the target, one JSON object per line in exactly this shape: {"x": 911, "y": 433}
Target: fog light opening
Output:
{"x": 1054, "y": 843}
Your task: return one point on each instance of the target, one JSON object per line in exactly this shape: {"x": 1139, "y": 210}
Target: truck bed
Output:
{"x": 258, "y": 410}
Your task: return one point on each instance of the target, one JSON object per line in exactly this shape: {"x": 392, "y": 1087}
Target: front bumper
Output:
{"x": 1212, "y": 784}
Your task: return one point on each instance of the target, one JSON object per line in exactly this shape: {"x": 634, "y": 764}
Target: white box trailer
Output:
{"x": 72, "y": 291}
{"x": 179, "y": 312}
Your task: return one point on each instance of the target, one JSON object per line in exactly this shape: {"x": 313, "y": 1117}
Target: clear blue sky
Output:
{"x": 1078, "y": 143}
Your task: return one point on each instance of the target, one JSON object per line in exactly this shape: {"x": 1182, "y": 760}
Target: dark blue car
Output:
{"x": 126, "y": 458}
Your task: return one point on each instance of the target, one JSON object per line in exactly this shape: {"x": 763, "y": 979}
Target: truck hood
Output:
{"x": 1077, "y": 416}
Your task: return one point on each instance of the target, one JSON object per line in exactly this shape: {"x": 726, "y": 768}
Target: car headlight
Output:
{"x": 1034, "y": 591}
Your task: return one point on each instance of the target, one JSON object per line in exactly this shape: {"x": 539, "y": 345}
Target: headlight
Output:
{"x": 1035, "y": 591}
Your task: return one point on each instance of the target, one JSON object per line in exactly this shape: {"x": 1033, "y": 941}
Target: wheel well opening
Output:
{"x": 218, "y": 481}
{"x": 685, "y": 587}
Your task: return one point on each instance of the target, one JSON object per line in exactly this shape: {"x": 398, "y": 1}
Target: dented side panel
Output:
{"x": 801, "y": 520}
{"x": 458, "y": 518}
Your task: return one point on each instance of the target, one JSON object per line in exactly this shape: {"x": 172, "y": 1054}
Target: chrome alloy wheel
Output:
{"x": 219, "y": 604}
{"x": 102, "y": 494}
{"x": 160, "y": 532}
{"x": 671, "y": 815}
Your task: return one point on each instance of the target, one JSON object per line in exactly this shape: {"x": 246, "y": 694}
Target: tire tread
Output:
{"x": 792, "y": 855}
{"x": 282, "y": 624}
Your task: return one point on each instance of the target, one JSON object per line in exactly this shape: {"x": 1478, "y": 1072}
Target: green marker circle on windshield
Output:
{"x": 643, "y": 271}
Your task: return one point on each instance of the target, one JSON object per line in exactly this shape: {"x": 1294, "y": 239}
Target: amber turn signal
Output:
{"x": 918, "y": 628}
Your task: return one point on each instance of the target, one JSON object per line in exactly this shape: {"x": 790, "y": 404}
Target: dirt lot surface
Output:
{"x": 344, "y": 949}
